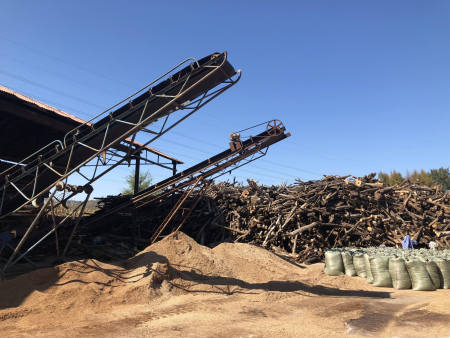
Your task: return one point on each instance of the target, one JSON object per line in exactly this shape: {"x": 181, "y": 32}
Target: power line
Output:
{"x": 265, "y": 160}
{"x": 84, "y": 69}
{"x": 173, "y": 142}
{"x": 281, "y": 174}
{"x": 81, "y": 100}
{"x": 49, "y": 102}
{"x": 84, "y": 84}
{"x": 93, "y": 104}
{"x": 56, "y": 91}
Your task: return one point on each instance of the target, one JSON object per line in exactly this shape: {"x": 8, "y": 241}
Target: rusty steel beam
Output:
{"x": 251, "y": 149}
{"x": 187, "y": 89}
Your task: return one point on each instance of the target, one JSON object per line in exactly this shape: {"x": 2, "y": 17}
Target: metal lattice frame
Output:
{"x": 74, "y": 140}
{"x": 102, "y": 159}
{"x": 251, "y": 149}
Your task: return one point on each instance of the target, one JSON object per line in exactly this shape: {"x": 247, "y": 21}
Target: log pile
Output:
{"x": 301, "y": 220}
{"x": 306, "y": 218}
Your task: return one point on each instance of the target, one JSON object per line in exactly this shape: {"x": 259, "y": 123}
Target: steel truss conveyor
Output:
{"x": 186, "y": 88}
{"x": 241, "y": 152}
{"x": 41, "y": 179}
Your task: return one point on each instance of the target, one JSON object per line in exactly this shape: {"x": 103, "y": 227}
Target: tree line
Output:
{"x": 430, "y": 178}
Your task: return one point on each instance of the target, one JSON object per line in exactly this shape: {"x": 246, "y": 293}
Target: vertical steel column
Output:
{"x": 174, "y": 168}
{"x": 137, "y": 172}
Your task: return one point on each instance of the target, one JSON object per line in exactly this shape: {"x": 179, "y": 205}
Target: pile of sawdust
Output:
{"x": 177, "y": 287}
{"x": 176, "y": 264}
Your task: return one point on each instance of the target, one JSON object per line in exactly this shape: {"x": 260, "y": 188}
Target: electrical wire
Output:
{"x": 95, "y": 105}
{"x": 74, "y": 111}
{"x": 82, "y": 84}
{"x": 203, "y": 142}
{"x": 281, "y": 174}
{"x": 64, "y": 61}
{"x": 56, "y": 91}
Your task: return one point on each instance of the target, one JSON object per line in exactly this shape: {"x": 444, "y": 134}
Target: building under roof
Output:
{"x": 27, "y": 125}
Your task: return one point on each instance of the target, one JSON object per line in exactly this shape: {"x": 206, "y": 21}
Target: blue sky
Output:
{"x": 362, "y": 86}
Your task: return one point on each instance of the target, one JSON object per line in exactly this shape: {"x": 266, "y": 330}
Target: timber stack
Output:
{"x": 306, "y": 218}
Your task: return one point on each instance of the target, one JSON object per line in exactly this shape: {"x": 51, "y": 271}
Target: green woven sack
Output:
{"x": 420, "y": 278}
{"x": 399, "y": 274}
{"x": 360, "y": 265}
{"x": 369, "y": 276}
{"x": 379, "y": 265}
{"x": 434, "y": 273}
{"x": 444, "y": 271}
{"x": 334, "y": 266}
{"x": 348, "y": 264}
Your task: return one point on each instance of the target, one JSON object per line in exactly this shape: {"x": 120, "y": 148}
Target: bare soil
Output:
{"x": 178, "y": 288}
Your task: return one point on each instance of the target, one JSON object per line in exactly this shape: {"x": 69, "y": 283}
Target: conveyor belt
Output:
{"x": 239, "y": 154}
{"x": 220, "y": 163}
{"x": 24, "y": 183}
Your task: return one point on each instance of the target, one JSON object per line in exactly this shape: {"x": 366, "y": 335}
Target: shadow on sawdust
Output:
{"x": 189, "y": 279}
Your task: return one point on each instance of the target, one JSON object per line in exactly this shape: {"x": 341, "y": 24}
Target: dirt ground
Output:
{"x": 177, "y": 288}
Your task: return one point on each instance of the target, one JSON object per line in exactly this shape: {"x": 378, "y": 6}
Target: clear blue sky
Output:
{"x": 362, "y": 86}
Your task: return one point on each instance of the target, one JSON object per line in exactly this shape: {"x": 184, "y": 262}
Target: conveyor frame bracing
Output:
{"x": 186, "y": 181}
{"x": 225, "y": 162}
{"x": 27, "y": 179}
{"x": 185, "y": 90}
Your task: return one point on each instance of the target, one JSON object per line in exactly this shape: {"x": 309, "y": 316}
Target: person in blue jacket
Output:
{"x": 407, "y": 243}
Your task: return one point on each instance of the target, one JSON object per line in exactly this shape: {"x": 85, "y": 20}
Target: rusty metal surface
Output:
{"x": 252, "y": 148}
{"x": 185, "y": 88}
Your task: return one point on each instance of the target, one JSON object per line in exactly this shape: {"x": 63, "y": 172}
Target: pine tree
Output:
{"x": 145, "y": 180}
{"x": 421, "y": 177}
{"x": 432, "y": 178}
{"x": 441, "y": 177}
{"x": 395, "y": 178}
{"x": 383, "y": 178}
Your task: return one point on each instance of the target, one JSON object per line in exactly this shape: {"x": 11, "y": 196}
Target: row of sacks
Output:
{"x": 421, "y": 270}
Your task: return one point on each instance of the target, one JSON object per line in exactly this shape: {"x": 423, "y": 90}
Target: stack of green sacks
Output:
{"x": 421, "y": 269}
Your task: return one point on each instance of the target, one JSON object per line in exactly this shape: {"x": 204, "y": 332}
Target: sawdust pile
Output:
{"x": 177, "y": 287}
{"x": 175, "y": 265}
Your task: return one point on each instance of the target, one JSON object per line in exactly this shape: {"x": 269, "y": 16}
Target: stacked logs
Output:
{"x": 306, "y": 218}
